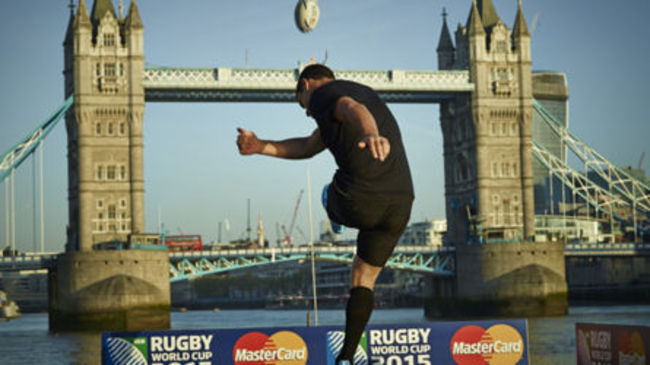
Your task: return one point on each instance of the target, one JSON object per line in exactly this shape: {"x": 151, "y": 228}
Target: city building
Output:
{"x": 551, "y": 91}
{"x": 568, "y": 228}
{"x": 429, "y": 232}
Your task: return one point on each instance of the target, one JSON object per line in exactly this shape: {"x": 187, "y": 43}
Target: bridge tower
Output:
{"x": 104, "y": 71}
{"x": 95, "y": 289}
{"x": 489, "y": 177}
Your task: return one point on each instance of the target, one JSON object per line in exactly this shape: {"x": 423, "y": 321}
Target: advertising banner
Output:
{"x": 603, "y": 344}
{"x": 462, "y": 343}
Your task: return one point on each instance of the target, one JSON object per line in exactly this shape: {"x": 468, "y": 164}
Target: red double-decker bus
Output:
{"x": 185, "y": 242}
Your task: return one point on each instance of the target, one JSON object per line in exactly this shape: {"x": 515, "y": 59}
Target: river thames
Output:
{"x": 26, "y": 340}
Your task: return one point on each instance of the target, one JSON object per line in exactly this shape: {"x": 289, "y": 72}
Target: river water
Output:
{"x": 26, "y": 340}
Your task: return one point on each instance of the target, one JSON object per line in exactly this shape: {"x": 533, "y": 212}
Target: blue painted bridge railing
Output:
{"x": 422, "y": 259}
{"x": 186, "y": 265}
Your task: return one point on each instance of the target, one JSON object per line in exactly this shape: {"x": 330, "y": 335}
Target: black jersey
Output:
{"x": 359, "y": 174}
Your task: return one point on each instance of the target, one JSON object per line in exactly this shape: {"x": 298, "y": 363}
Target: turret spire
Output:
{"x": 475, "y": 24}
{"x": 133, "y": 20}
{"x": 69, "y": 29}
{"x": 82, "y": 14}
{"x": 445, "y": 44}
{"x": 520, "y": 27}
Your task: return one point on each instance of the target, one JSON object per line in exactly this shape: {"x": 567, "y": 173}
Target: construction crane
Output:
{"x": 287, "y": 233}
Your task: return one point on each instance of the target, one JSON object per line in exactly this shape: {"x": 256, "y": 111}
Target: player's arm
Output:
{"x": 348, "y": 110}
{"x": 293, "y": 148}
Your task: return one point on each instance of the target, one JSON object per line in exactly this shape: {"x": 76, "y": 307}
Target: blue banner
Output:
{"x": 463, "y": 343}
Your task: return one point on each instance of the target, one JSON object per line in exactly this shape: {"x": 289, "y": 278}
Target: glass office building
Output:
{"x": 551, "y": 90}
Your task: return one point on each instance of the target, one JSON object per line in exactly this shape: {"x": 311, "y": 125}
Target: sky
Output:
{"x": 194, "y": 176}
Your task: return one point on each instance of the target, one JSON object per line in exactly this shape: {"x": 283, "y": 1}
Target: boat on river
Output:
{"x": 8, "y": 308}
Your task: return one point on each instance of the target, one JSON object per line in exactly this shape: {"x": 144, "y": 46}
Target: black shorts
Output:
{"x": 380, "y": 221}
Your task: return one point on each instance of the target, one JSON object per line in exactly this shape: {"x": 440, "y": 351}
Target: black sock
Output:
{"x": 357, "y": 314}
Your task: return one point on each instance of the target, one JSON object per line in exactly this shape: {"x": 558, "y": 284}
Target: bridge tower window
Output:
{"x": 110, "y": 172}
{"x": 111, "y": 211}
{"x": 109, "y": 40}
{"x": 98, "y": 129}
{"x": 109, "y": 70}
{"x": 122, "y": 172}
{"x": 100, "y": 172}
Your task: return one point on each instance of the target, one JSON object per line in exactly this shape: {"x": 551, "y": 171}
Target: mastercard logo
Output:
{"x": 281, "y": 348}
{"x": 498, "y": 345}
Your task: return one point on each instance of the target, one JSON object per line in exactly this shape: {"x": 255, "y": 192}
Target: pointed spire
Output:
{"x": 133, "y": 20}
{"x": 82, "y": 15}
{"x": 69, "y": 30}
{"x": 488, "y": 14}
{"x": 489, "y": 17}
{"x": 520, "y": 27}
{"x": 474, "y": 22}
{"x": 445, "y": 44}
{"x": 100, "y": 7}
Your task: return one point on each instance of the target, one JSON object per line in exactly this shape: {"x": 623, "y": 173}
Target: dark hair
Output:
{"x": 315, "y": 72}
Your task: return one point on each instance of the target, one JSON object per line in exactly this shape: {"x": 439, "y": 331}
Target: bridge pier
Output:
{"x": 109, "y": 291}
{"x": 518, "y": 279}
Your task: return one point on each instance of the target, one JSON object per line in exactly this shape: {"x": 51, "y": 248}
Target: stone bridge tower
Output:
{"x": 91, "y": 288}
{"x": 489, "y": 176}
{"x": 104, "y": 70}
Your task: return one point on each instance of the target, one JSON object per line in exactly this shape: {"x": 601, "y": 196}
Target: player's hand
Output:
{"x": 379, "y": 146}
{"x": 248, "y": 143}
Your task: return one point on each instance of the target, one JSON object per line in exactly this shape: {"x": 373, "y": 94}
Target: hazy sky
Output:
{"x": 194, "y": 175}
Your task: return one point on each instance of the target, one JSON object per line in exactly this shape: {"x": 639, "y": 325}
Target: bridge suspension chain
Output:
{"x": 593, "y": 194}
{"x": 11, "y": 159}
{"x": 634, "y": 191}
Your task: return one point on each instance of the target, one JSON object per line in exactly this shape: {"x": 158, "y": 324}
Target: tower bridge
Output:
{"x": 490, "y": 102}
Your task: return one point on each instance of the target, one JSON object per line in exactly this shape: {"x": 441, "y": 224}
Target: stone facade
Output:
{"x": 487, "y": 134}
{"x": 110, "y": 290}
{"x": 104, "y": 68}
{"x": 489, "y": 188}
{"x": 89, "y": 288}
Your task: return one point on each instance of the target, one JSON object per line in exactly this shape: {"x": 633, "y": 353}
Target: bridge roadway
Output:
{"x": 420, "y": 259}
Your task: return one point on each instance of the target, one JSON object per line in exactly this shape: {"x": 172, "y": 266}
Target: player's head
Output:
{"x": 314, "y": 72}
{"x": 312, "y": 75}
